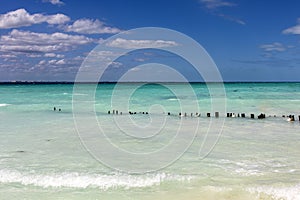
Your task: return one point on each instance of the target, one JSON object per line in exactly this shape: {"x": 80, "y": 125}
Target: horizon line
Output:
{"x": 126, "y": 82}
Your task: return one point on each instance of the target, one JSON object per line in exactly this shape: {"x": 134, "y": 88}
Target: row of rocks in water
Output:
{"x": 217, "y": 114}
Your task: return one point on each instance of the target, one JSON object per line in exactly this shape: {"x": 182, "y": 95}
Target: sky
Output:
{"x": 47, "y": 40}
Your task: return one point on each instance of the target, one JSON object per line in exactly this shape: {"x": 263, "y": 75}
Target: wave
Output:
{"x": 77, "y": 180}
{"x": 253, "y": 193}
{"x": 126, "y": 181}
{"x": 80, "y": 94}
{"x": 280, "y": 193}
{"x": 254, "y": 168}
{"x": 173, "y": 99}
{"x": 4, "y": 104}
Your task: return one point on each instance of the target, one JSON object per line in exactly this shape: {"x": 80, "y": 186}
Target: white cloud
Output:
{"x": 276, "y": 46}
{"x": 60, "y": 56}
{"x": 135, "y": 69}
{"x": 54, "y": 2}
{"x": 115, "y": 64}
{"x": 61, "y": 62}
{"x": 213, "y": 4}
{"x": 21, "y": 17}
{"x": 57, "y": 19}
{"x": 34, "y": 55}
{"x": 102, "y": 53}
{"x": 31, "y": 42}
{"x": 51, "y": 62}
{"x": 52, "y": 55}
{"x": 88, "y": 26}
{"x": 136, "y": 44}
{"x": 293, "y": 30}
{"x": 105, "y": 57}
{"x": 78, "y": 58}
{"x": 42, "y": 62}
{"x": 140, "y": 59}
{"x": 214, "y": 7}
{"x": 7, "y": 56}
{"x": 233, "y": 19}
{"x": 55, "y": 62}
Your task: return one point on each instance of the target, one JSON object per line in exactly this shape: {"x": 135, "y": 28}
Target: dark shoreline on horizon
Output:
{"x": 113, "y": 82}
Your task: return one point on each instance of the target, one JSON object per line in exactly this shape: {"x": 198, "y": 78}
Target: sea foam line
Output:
{"x": 4, "y": 104}
{"x": 286, "y": 193}
{"x": 76, "y": 180}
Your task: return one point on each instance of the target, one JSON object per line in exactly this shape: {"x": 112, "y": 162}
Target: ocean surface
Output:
{"x": 47, "y": 154}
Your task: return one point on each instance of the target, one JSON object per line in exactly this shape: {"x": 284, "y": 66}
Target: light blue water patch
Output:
{"x": 42, "y": 156}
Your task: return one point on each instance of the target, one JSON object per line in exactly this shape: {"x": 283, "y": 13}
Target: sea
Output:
{"x": 149, "y": 141}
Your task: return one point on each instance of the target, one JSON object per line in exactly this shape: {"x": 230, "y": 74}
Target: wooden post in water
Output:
{"x": 216, "y": 114}
{"x": 243, "y": 115}
{"x": 208, "y": 114}
{"x": 252, "y": 116}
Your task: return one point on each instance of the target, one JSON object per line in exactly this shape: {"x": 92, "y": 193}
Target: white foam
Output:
{"x": 80, "y": 94}
{"x": 173, "y": 99}
{"x": 76, "y": 180}
{"x": 278, "y": 193}
{"x": 248, "y": 172}
{"x": 243, "y": 168}
{"x": 4, "y": 104}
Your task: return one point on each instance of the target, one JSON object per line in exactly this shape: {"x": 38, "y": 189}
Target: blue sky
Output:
{"x": 248, "y": 40}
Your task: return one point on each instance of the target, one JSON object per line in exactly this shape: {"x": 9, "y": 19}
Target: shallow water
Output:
{"x": 42, "y": 156}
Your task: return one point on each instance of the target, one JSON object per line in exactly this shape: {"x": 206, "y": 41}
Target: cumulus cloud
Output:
{"x": 276, "y": 46}
{"x": 293, "y": 30}
{"x": 21, "y": 17}
{"x": 57, "y": 63}
{"x": 57, "y": 19}
{"x": 54, "y": 2}
{"x": 34, "y": 55}
{"x": 31, "y": 42}
{"x": 42, "y": 62}
{"x": 61, "y": 62}
{"x": 53, "y": 55}
{"x": 136, "y": 44}
{"x": 104, "y": 57}
{"x": 88, "y": 26}
{"x": 55, "y": 69}
{"x": 7, "y": 56}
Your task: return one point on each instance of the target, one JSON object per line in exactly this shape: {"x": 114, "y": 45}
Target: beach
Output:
{"x": 42, "y": 155}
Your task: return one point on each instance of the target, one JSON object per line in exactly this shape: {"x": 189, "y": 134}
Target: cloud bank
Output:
{"x": 21, "y": 17}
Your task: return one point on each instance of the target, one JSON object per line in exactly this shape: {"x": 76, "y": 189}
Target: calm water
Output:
{"x": 42, "y": 156}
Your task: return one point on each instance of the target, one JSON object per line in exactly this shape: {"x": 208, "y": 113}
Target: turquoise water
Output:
{"x": 43, "y": 157}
